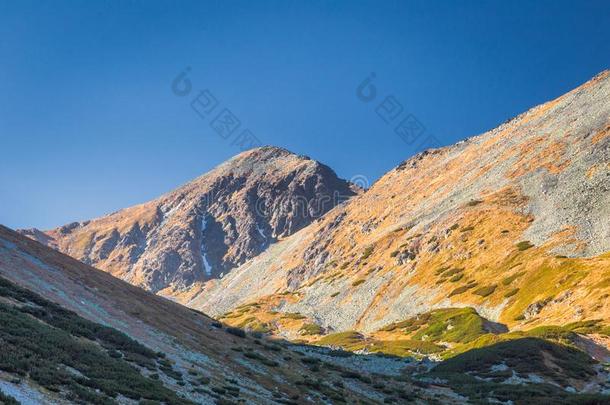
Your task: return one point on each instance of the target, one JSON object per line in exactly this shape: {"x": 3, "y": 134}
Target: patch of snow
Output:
{"x": 204, "y": 258}
{"x": 206, "y": 264}
{"x": 168, "y": 213}
{"x": 261, "y": 231}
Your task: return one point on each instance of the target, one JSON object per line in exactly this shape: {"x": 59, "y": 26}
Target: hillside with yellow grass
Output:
{"x": 514, "y": 224}
{"x": 483, "y": 264}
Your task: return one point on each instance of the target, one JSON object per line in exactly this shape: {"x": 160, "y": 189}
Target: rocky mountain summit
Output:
{"x": 514, "y": 223}
{"x": 205, "y": 228}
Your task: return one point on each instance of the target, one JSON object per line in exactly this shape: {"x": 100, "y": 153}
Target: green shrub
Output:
{"x": 236, "y": 332}
{"x": 358, "y": 282}
{"x": 586, "y": 327}
{"x": 367, "y": 252}
{"x": 508, "y": 280}
{"x": 310, "y": 329}
{"x": 485, "y": 291}
{"x": 340, "y": 353}
{"x": 466, "y": 325}
{"x": 524, "y": 245}
{"x": 452, "y": 272}
{"x": 511, "y": 293}
{"x": 461, "y": 290}
{"x": 350, "y": 374}
{"x": 42, "y": 338}
{"x": 170, "y": 372}
{"x": 310, "y": 360}
{"x": 256, "y": 356}
{"x": 525, "y": 356}
{"x": 272, "y": 347}
{"x": 293, "y": 315}
{"x": 348, "y": 340}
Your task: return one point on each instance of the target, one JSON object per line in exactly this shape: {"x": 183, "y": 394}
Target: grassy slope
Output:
{"x": 471, "y": 353}
{"x": 479, "y": 364}
{"x": 67, "y": 354}
{"x": 212, "y": 361}
{"x": 483, "y": 372}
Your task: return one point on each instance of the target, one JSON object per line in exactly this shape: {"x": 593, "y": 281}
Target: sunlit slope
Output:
{"x": 514, "y": 223}
{"x": 207, "y": 227}
{"x": 108, "y": 341}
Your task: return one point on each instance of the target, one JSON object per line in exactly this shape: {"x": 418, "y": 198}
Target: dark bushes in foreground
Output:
{"x": 47, "y": 343}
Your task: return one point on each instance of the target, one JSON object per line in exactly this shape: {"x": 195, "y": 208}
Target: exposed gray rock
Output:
{"x": 209, "y": 226}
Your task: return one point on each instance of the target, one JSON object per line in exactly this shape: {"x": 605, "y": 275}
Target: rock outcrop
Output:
{"x": 207, "y": 227}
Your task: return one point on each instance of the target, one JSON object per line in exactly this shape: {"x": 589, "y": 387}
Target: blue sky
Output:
{"x": 89, "y": 123}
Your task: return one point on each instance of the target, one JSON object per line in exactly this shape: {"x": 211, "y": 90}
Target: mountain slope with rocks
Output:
{"x": 74, "y": 334}
{"x": 205, "y": 228}
{"x": 478, "y": 271}
{"x": 514, "y": 223}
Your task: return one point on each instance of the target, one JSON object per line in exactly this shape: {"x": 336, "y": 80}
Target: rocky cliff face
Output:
{"x": 207, "y": 227}
{"x": 514, "y": 223}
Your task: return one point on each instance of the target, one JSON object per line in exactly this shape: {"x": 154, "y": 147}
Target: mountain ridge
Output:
{"x": 188, "y": 354}
{"x": 542, "y": 177}
{"x": 535, "y": 189}
{"x": 482, "y": 268}
{"x": 116, "y": 343}
{"x": 204, "y": 228}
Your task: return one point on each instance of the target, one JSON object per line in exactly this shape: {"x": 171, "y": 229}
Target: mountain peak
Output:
{"x": 208, "y": 226}
{"x": 269, "y": 157}
{"x": 512, "y": 222}
{"x": 267, "y": 150}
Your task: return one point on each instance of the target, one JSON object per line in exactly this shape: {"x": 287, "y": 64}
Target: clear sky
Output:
{"x": 89, "y": 122}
